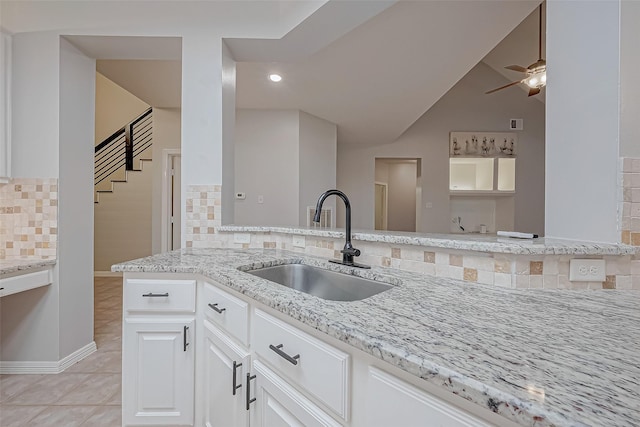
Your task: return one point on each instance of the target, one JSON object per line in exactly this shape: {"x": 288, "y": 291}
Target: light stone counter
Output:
{"x": 23, "y": 264}
{"x": 469, "y": 241}
{"x": 537, "y": 357}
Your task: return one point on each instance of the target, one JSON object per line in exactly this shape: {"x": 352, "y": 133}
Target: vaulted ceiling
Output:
{"x": 373, "y": 68}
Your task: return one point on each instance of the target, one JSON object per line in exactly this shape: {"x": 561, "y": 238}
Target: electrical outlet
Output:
{"x": 587, "y": 270}
{"x": 299, "y": 241}
{"x": 241, "y": 238}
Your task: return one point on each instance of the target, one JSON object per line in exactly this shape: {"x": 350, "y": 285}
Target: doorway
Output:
{"x": 397, "y": 194}
{"x": 381, "y": 206}
{"x": 171, "y": 194}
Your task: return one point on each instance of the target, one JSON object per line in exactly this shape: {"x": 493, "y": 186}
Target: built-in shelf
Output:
{"x": 481, "y": 193}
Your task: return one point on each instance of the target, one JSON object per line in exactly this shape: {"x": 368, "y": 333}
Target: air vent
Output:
{"x": 326, "y": 217}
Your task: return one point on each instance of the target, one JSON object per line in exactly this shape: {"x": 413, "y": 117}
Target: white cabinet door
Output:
{"x": 226, "y": 365}
{"x": 393, "y": 402}
{"x": 158, "y": 371}
{"x": 277, "y": 404}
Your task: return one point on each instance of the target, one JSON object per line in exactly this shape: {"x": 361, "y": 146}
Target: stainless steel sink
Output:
{"x": 322, "y": 283}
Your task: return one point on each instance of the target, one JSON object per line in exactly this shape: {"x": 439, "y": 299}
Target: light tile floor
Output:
{"x": 86, "y": 394}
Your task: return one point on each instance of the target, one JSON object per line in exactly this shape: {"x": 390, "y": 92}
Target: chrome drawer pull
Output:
{"x": 152, "y": 295}
{"x": 292, "y": 359}
{"x": 236, "y": 386}
{"x": 216, "y": 309}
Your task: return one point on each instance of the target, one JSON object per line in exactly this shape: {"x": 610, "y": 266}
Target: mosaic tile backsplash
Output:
{"x": 29, "y": 218}
{"x": 203, "y": 215}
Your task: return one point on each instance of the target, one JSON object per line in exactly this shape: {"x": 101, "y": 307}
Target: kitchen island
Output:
{"x": 536, "y": 357}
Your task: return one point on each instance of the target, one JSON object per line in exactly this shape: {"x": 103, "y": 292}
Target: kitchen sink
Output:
{"x": 326, "y": 284}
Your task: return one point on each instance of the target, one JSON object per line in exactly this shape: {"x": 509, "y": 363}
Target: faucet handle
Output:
{"x": 351, "y": 251}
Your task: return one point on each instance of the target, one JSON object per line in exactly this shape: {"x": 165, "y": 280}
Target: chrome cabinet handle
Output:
{"x": 184, "y": 338}
{"x": 216, "y": 309}
{"x": 291, "y": 359}
{"x": 249, "y": 399}
{"x": 235, "y": 385}
{"x": 152, "y": 295}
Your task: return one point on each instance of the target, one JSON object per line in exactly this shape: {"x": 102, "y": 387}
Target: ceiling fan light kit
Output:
{"x": 536, "y": 77}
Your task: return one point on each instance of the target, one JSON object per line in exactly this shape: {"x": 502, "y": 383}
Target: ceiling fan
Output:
{"x": 536, "y": 77}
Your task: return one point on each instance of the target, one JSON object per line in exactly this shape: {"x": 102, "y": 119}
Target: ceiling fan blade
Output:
{"x": 517, "y": 68}
{"x": 503, "y": 87}
{"x": 534, "y": 91}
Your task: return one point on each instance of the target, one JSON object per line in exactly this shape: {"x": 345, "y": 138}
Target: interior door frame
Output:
{"x": 167, "y": 156}
{"x": 386, "y": 204}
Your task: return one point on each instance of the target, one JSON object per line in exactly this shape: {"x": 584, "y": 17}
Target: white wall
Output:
{"x": 166, "y": 135}
{"x": 266, "y": 156}
{"x": 35, "y": 105}
{"x": 75, "y": 198}
{"x": 286, "y": 156}
{"x": 629, "y": 82}
{"x": 123, "y": 220}
{"x": 318, "y": 150}
{"x": 30, "y": 320}
{"x": 115, "y": 107}
{"x": 582, "y": 120}
{"x": 464, "y": 108}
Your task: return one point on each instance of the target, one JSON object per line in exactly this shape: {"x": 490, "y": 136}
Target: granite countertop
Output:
{"x": 537, "y": 357}
{"x": 468, "y": 241}
{"x": 24, "y": 264}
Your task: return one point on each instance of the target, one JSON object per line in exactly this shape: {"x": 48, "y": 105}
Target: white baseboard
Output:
{"x": 48, "y": 367}
{"x": 107, "y": 274}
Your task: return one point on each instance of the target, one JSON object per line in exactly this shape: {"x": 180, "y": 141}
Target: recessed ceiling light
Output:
{"x": 275, "y": 77}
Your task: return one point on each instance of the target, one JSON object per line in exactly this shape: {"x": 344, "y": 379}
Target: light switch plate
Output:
{"x": 241, "y": 238}
{"x": 587, "y": 270}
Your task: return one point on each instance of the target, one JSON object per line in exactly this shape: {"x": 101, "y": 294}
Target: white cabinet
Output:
{"x": 158, "y": 352}
{"x": 225, "y": 365}
{"x": 313, "y": 365}
{"x": 282, "y": 374}
{"x": 278, "y": 404}
{"x": 391, "y": 401}
{"x": 5, "y": 106}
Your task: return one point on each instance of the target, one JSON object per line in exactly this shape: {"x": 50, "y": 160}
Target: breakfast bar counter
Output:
{"x": 535, "y": 356}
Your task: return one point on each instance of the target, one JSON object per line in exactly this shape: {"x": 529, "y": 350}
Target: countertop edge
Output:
{"x": 23, "y": 265}
{"x": 469, "y": 242}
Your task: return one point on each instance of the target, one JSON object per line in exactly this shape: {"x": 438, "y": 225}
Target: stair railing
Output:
{"x": 123, "y": 146}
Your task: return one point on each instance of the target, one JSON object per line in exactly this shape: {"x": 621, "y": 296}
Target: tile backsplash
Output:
{"x": 29, "y": 218}
{"x": 203, "y": 215}
{"x": 629, "y": 210}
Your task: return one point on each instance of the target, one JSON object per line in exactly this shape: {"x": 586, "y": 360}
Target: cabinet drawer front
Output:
{"x": 227, "y": 311}
{"x": 150, "y": 295}
{"x": 314, "y": 365}
{"x": 391, "y": 401}
{"x": 24, "y": 282}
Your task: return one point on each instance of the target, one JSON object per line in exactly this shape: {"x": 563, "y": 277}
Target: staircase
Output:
{"x": 126, "y": 151}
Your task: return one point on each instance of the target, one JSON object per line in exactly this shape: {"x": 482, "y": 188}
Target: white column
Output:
{"x": 582, "y": 120}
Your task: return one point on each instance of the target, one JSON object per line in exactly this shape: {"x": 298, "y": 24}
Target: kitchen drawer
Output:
{"x": 149, "y": 295}
{"x": 319, "y": 368}
{"x": 227, "y": 311}
{"x": 18, "y": 282}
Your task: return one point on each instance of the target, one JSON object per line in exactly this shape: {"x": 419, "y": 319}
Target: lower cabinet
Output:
{"x": 391, "y": 401}
{"x": 254, "y": 368}
{"x": 278, "y": 404}
{"x": 225, "y": 365}
{"x": 158, "y": 371}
